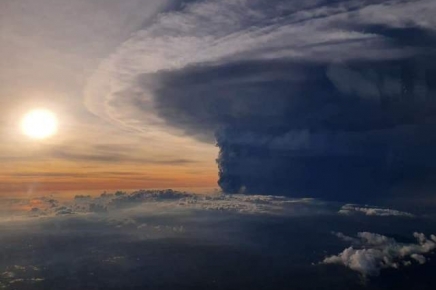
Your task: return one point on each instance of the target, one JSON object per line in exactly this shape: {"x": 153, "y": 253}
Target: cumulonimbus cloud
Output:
{"x": 332, "y": 100}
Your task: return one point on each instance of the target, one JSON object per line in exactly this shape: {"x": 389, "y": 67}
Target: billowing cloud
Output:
{"x": 332, "y": 100}
{"x": 371, "y": 252}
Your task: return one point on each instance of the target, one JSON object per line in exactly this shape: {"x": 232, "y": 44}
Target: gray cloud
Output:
{"x": 317, "y": 98}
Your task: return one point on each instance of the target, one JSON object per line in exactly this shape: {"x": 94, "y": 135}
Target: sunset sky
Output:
{"x": 52, "y": 58}
{"x": 316, "y": 99}
{"x": 217, "y": 144}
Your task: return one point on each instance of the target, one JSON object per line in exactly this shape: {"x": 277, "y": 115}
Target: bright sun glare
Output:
{"x": 39, "y": 124}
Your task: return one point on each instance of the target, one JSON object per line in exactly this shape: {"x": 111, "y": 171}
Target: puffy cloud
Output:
{"x": 350, "y": 209}
{"x": 331, "y": 100}
{"x": 371, "y": 252}
{"x": 419, "y": 258}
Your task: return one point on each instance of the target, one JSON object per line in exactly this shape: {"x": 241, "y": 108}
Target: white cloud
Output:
{"x": 351, "y": 209}
{"x": 370, "y": 253}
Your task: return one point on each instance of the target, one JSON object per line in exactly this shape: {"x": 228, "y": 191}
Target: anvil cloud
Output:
{"x": 326, "y": 99}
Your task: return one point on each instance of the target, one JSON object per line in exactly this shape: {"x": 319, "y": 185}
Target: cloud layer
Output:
{"x": 166, "y": 200}
{"x": 279, "y": 238}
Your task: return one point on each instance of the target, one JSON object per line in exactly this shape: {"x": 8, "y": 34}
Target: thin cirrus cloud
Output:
{"x": 115, "y": 157}
{"x": 331, "y": 100}
{"x": 104, "y": 153}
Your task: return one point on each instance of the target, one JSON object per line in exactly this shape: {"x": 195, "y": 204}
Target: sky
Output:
{"x": 323, "y": 98}
{"x": 217, "y": 144}
{"x": 51, "y": 51}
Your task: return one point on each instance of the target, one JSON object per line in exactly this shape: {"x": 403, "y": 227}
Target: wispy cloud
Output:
{"x": 216, "y": 31}
{"x": 351, "y": 209}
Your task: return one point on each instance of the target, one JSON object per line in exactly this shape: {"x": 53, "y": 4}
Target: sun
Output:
{"x": 39, "y": 124}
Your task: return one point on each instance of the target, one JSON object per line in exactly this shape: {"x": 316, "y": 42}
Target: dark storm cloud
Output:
{"x": 327, "y": 99}
{"x": 337, "y": 131}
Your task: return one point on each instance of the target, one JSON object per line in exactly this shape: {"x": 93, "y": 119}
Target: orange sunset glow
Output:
{"x": 217, "y": 144}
